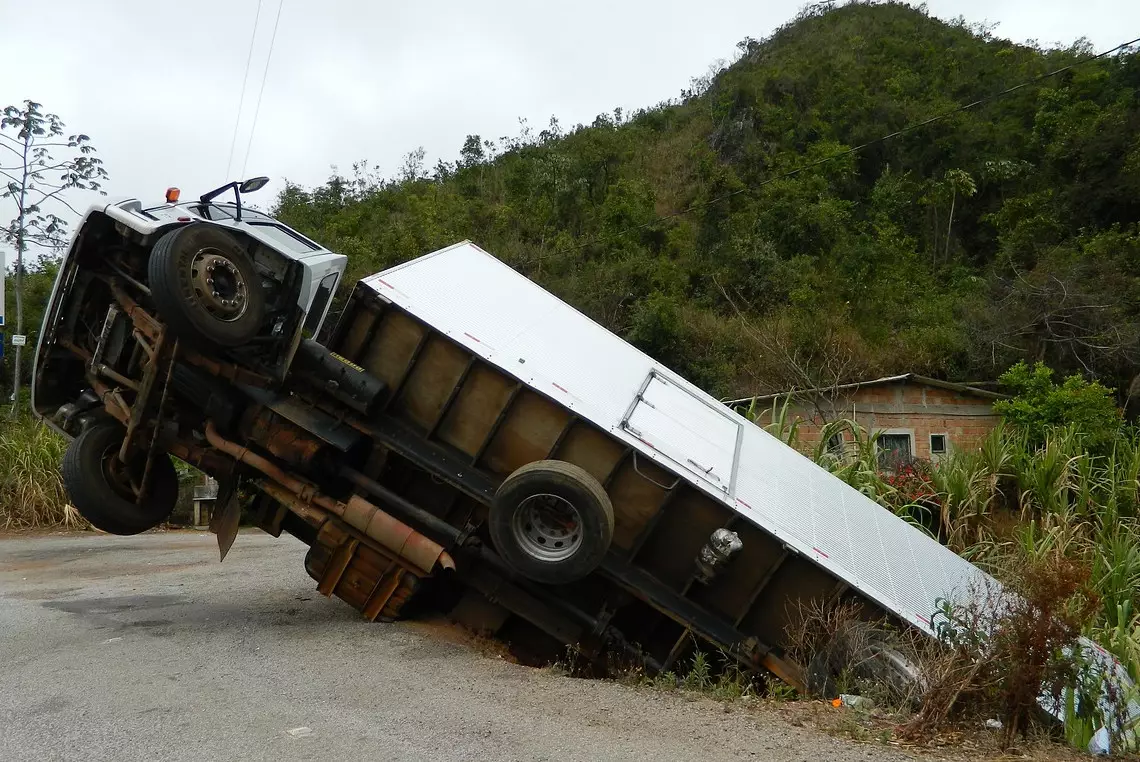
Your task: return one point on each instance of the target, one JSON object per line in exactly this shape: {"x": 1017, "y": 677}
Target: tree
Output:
{"x": 1039, "y": 404}
{"x": 959, "y": 183}
{"x": 951, "y": 248}
{"x": 34, "y": 178}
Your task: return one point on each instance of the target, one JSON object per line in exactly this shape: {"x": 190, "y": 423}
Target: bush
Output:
{"x": 1005, "y": 650}
{"x": 1040, "y": 405}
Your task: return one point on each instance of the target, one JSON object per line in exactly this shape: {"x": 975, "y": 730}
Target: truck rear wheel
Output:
{"x": 552, "y": 522}
{"x": 99, "y": 485}
{"x": 205, "y": 286}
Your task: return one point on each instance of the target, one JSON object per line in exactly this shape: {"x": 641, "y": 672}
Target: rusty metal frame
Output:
{"x": 336, "y": 566}
{"x": 152, "y": 450}
{"x": 382, "y": 592}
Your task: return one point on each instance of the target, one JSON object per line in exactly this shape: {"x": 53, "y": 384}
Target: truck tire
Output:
{"x": 552, "y": 522}
{"x": 205, "y": 287}
{"x": 88, "y": 469}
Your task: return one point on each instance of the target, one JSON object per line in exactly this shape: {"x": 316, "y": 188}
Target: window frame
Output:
{"x": 945, "y": 444}
{"x": 314, "y": 330}
{"x": 837, "y": 445}
{"x": 311, "y": 246}
{"x": 908, "y": 433}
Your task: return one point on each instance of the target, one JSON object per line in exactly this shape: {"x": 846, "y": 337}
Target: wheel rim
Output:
{"x": 218, "y": 285}
{"x": 116, "y": 474}
{"x": 547, "y": 527}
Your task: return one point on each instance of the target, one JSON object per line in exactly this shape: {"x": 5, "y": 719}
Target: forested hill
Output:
{"x": 1001, "y": 233}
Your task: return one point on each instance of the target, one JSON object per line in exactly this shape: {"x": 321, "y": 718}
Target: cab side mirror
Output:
{"x": 253, "y": 184}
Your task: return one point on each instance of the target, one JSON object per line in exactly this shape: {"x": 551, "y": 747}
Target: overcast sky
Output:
{"x": 157, "y": 85}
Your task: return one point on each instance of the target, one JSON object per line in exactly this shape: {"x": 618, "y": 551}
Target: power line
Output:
{"x": 261, "y": 91}
{"x": 868, "y": 144}
{"x": 241, "y": 98}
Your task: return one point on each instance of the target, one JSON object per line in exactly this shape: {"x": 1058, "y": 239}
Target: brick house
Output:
{"x": 918, "y": 417}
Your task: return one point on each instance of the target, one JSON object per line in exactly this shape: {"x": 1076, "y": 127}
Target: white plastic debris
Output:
{"x": 993, "y": 724}
{"x": 301, "y": 732}
{"x": 1100, "y": 743}
{"x": 111, "y": 640}
{"x": 856, "y": 702}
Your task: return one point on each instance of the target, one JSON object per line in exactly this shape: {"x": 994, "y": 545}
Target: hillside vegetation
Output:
{"x": 1001, "y": 233}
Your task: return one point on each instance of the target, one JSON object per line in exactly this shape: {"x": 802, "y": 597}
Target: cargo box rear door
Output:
{"x": 701, "y": 438}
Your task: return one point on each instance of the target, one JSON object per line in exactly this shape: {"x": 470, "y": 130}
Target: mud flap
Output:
{"x": 224, "y": 523}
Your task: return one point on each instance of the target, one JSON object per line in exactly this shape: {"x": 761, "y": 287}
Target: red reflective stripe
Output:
{"x": 817, "y": 550}
{"x": 471, "y": 337}
{"x": 924, "y": 619}
{"x": 557, "y": 386}
{"x": 746, "y": 505}
{"x": 386, "y": 283}
{"x": 645, "y": 442}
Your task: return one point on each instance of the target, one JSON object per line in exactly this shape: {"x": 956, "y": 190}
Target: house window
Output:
{"x": 835, "y": 445}
{"x": 937, "y": 444}
{"x": 895, "y": 449}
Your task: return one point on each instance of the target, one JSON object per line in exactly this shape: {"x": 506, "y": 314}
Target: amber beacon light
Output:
{"x": 172, "y": 195}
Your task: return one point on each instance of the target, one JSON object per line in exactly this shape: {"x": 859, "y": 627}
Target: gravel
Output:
{"x": 146, "y": 648}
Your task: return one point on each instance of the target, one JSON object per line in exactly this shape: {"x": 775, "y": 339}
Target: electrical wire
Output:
{"x": 868, "y": 144}
{"x": 241, "y": 98}
{"x": 261, "y": 90}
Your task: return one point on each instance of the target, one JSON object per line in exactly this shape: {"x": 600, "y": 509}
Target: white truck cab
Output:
{"x": 227, "y": 281}
{"x": 323, "y": 268}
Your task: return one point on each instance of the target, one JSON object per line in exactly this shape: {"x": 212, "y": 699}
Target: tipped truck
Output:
{"x": 462, "y": 436}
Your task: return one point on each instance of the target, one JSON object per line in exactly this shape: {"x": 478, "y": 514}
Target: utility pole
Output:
{"x": 22, "y": 206}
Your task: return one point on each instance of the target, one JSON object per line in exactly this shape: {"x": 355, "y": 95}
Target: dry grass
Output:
{"x": 31, "y": 489}
{"x": 844, "y": 652}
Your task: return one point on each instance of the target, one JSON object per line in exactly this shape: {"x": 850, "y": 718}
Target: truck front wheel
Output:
{"x": 205, "y": 286}
{"x": 552, "y": 521}
{"x": 100, "y": 485}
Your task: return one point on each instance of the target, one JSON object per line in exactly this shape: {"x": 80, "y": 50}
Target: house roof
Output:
{"x": 902, "y": 378}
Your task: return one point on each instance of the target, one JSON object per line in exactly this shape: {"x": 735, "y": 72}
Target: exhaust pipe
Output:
{"x": 375, "y": 524}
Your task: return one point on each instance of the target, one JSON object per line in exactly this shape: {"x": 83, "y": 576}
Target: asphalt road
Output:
{"x": 145, "y": 648}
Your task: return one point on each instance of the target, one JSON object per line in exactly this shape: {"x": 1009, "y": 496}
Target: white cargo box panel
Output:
{"x": 514, "y": 324}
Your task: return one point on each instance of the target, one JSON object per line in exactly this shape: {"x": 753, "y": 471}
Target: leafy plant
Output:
{"x": 1040, "y": 405}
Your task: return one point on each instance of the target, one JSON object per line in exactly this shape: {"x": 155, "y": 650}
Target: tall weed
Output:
{"x": 31, "y": 489}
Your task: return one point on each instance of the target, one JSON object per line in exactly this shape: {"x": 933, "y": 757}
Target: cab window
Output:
{"x": 320, "y": 303}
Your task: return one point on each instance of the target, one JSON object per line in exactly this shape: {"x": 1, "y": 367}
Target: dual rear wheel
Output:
{"x": 552, "y": 521}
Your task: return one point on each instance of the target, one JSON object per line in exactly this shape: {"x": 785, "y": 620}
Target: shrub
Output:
{"x": 1039, "y": 405}
{"x": 1004, "y": 651}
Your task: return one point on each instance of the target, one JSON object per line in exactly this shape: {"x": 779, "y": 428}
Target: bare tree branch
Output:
{"x": 54, "y": 196}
